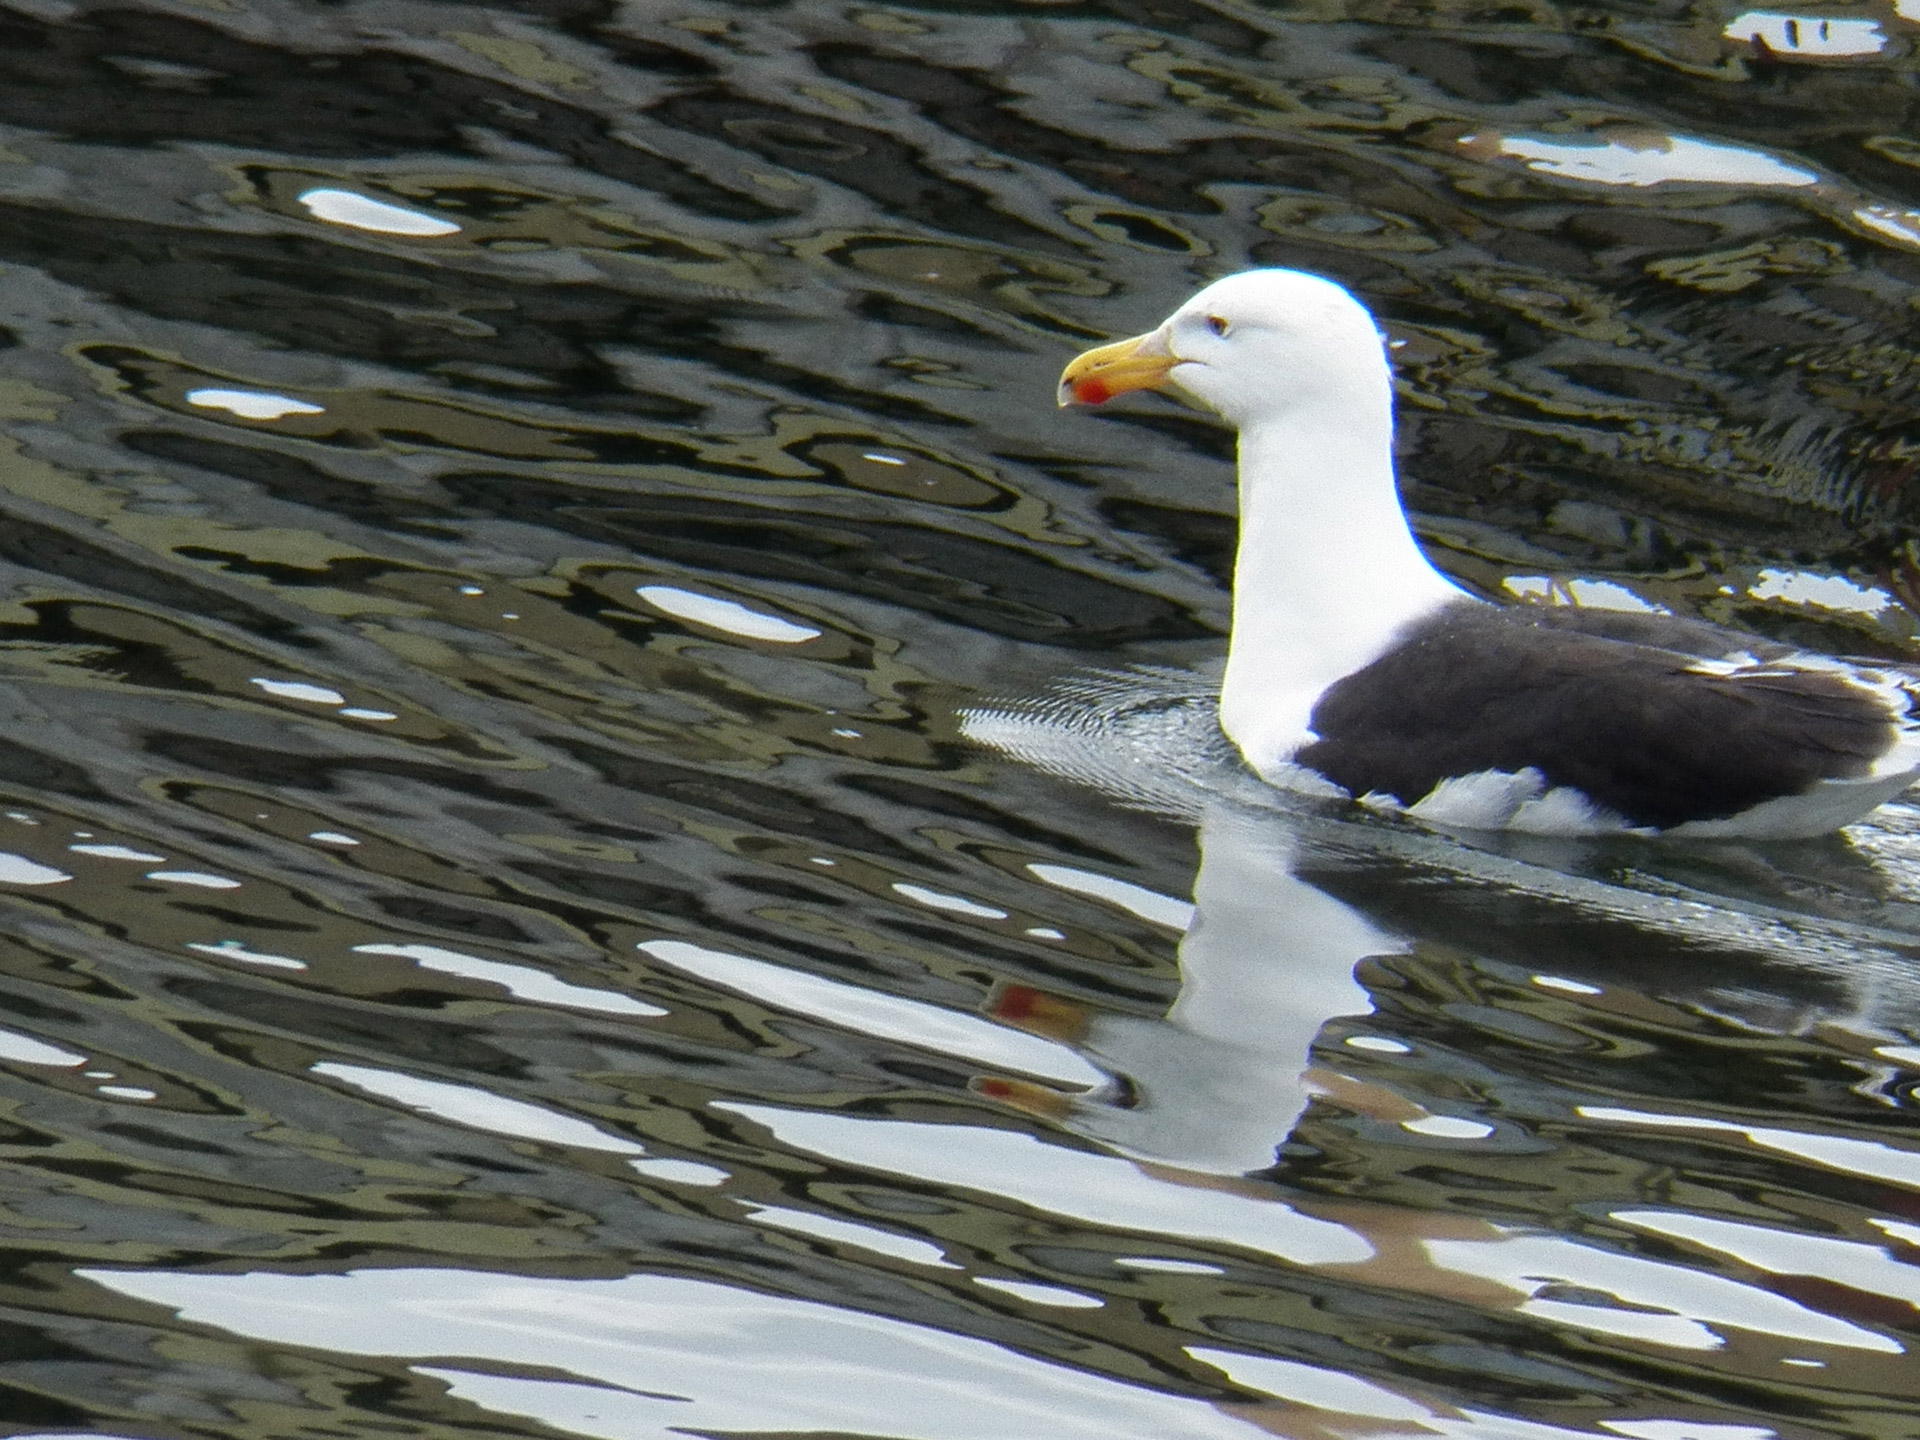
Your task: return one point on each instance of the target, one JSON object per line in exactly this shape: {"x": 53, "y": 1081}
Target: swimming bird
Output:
{"x": 1355, "y": 666}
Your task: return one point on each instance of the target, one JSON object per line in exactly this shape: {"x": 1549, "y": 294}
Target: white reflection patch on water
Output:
{"x": 1586, "y": 594}
{"x": 1571, "y": 987}
{"x": 1379, "y": 1043}
{"x": 1655, "y": 160}
{"x": 1891, "y": 221}
{"x": 237, "y": 950}
{"x": 886, "y": 1017}
{"x": 117, "y": 852}
{"x": 1164, "y": 1266}
{"x": 1826, "y": 35}
{"x": 952, "y": 904}
{"x": 1659, "y": 1303}
{"x": 199, "y": 879}
{"x": 1782, "y": 1252}
{"x": 253, "y": 404}
{"x": 1097, "y": 1189}
{"x": 363, "y": 212}
{"x": 680, "y": 1172}
{"x": 662, "y": 1356}
{"x": 299, "y": 690}
{"x": 479, "y": 1109}
{"x": 1448, "y": 1127}
{"x": 728, "y": 615}
{"x": 1829, "y": 592}
{"x": 1352, "y": 1396}
{"x": 1311, "y": 1385}
{"x": 1149, "y": 905}
{"x": 1869, "y": 1158}
{"x": 1898, "y": 1229}
{"x": 1035, "y": 1293}
{"x": 523, "y": 982}
{"x": 19, "y": 870}
{"x": 25, "y": 1050}
{"x": 848, "y": 1232}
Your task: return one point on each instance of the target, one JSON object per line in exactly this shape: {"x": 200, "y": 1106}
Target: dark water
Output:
{"x": 557, "y": 878}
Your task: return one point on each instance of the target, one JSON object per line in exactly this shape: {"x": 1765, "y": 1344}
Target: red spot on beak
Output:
{"x": 1090, "y": 391}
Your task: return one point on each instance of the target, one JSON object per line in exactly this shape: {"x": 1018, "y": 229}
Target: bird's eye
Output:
{"x": 1218, "y": 324}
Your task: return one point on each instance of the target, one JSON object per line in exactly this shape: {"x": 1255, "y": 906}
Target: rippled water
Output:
{"x": 565, "y": 869}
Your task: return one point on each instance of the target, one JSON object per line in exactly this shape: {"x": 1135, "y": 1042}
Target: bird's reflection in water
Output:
{"x": 1269, "y": 958}
{"x": 1292, "y": 895}
{"x": 1557, "y": 1027}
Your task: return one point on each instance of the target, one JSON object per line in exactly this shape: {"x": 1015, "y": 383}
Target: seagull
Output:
{"x": 1357, "y": 668}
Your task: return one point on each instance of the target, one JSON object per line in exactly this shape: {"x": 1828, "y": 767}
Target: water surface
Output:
{"x": 612, "y": 826}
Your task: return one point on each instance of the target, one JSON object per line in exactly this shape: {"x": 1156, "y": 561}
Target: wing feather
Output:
{"x": 1637, "y": 724}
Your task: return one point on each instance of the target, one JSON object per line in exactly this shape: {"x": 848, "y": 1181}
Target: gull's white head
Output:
{"x": 1254, "y": 347}
{"x": 1327, "y": 572}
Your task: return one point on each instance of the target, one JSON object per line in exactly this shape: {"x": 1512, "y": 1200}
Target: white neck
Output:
{"x": 1328, "y": 570}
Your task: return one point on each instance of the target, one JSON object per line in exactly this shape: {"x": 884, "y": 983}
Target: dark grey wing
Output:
{"x": 1658, "y": 735}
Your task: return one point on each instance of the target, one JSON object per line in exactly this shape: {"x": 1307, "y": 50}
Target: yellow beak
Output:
{"x": 1142, "y": 363}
